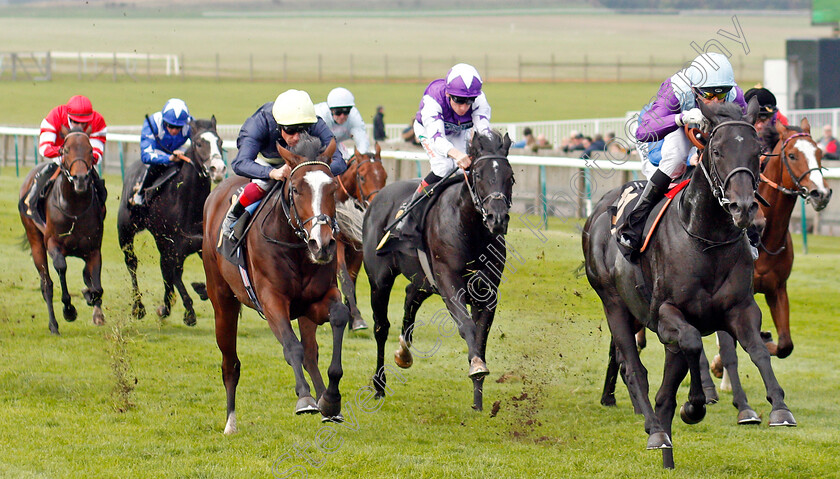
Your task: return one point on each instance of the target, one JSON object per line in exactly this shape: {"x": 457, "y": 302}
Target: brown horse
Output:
{"x": 290, "y": 260}
{"x": 364, "y": 177}
{"x": 74, "y": 224}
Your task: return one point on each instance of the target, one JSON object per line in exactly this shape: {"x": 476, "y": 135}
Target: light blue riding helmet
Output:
{"x": 711, "y": 70}
{"x": 175, "y": 112}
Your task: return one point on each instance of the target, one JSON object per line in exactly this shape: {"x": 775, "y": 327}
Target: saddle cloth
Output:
{"x": 627, "y": 201}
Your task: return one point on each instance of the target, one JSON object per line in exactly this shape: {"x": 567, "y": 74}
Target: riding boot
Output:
{"x": 630, "y": 233}
{"x": 139, "y": 197}
{"x": 755, "y": 240}
{"x": 233, "y": 214}
{"x": 407, "y": 228}
{"x": 39, "y": 188}
{"x": 99, "y": 187}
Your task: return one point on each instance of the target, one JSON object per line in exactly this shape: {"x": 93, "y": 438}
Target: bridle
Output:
{"x": 712, "y": 175}
{"x": 798, "y": 190}
{"x": 495, "y": 195}
{"x": 65, "y": 169}
{"x": 200, "y": 166}
{"x": 361, "y": 199}
{"x": 287, "y": 201}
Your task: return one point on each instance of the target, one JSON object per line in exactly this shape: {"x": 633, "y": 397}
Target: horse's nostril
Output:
{"x": 815, "y": 194}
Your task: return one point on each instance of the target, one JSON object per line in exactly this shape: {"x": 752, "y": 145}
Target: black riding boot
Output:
{"x": 630, "y": 233}
{"x": 39, "y": 188}
{"x": 148, "y": 178}
{"x": 407, "y": 228}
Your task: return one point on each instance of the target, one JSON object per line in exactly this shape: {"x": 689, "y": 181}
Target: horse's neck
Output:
{"x": 701, "y": 212}
{"x": 71, "y": 201}
{"x": 347, "y": 187}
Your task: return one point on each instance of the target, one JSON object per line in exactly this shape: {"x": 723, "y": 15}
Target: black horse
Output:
{"x": 464, "y": 238}
{"x": 173, "y": 215}
{"x": 694, "y": 279}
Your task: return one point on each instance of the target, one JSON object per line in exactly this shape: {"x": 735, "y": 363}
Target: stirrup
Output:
{"x": 137, "y": 199}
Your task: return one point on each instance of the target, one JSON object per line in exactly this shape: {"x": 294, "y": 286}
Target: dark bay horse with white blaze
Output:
{"x": 74, "y": 224}
{"x": 358, "y": 185}
{"x": 791, "y": 170}
{"x": 291, "y": 264}
{"x": 464, "y": 236}
{"x": 694, "y": 279}
{"x": 173, "y": 215}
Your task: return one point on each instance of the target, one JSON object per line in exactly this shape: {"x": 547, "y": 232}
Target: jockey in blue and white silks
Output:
{"x": 662, "y": 143}
{"x": 451, "y": 108}
{"x": 342, "y": 117}
{"x": 164, "y": 136}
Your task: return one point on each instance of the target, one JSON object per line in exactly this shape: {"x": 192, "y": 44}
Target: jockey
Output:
{"x": 768, "y": 112}
{"x": 77, "y": 113}
{"x": 277, "y": 123}
{"x": 449, "y": 109}
{"x": 164, "y": 136}
{"x": 342, "y": 117}
{"x": 709, "y": 79}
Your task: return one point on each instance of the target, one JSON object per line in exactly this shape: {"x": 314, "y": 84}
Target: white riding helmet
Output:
{"x": 294, "y": 107}
{"x": 711, "y": 70}
{"x": 340, "y": 97}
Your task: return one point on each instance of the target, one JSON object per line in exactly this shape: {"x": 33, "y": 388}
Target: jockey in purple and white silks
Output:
{"x": 164, "y": 136}
{"x": 451, "y": 108}
{"x": 342, "y": 117}
{"x": 662, "y": 143}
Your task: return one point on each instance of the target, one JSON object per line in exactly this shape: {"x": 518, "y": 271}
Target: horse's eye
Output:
{"x": 362, "y": 179}
{"x": 716, "y": 153}
{"x": 792, "y": 156}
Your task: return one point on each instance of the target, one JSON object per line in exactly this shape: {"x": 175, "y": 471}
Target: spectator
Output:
{"x": 541, "y": 143}
{"x": 829, "y": 145}
{"x": 573, "y": 143}
{"x": 596, "y": 145}
{"x": 408, "y": 134}
{"x": 527, "y": 141}
{"x": 379, "y": 124}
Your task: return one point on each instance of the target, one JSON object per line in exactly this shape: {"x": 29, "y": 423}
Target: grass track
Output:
{"x": 549, "y": 342}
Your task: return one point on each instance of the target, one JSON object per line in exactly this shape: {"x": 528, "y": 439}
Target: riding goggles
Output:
{"x": 171, "y": 127}
{"x": 462, "y": 100}
{"x": 345, "y": 110}
{"x": 295, "y": 129}
{"x": 718, "y": 92}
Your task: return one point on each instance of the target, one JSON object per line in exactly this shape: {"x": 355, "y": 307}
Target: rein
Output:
{"x": 799, "y": 190}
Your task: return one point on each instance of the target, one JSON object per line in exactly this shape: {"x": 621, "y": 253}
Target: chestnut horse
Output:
{"x": 290, "y": 261}
{"x": 74, "y": 223}
{"x": 358, "y": 186}
{"x": 172, "y": 216}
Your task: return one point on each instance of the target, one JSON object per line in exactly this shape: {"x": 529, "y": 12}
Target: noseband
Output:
{"x": 713, "y": 177}
{"x": 798, "y": 190}
{"x": 66, "y": 168}
{"x": 290, "y": 210}
{"x": 496, "y": 195}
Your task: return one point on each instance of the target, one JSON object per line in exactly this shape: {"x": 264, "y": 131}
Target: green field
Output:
{"x": 61, "y": 397}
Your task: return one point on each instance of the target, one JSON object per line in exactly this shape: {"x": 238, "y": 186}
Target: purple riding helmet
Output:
{"x": 463, "y": 80}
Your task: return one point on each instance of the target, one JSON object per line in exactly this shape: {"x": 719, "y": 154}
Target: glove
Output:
{"x": 693, "y": 116}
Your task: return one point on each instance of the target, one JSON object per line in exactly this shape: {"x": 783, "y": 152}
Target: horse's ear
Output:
{"x": 506, "y": 142}
{"x": 64, "y": 131}
{"x": 213, "y": 121}
{"x": 290, "y": 158}
{"x": 356, "y": 152}
{"x": 752, "y": 110}
{"x": 88, "y": 129}
{"x": 705, "y": 109}
{"x": 805, "y": 125}
{"x": 780, "y": 129}
{"x": 329, "y": 150}
{"x": 378, "y": 150}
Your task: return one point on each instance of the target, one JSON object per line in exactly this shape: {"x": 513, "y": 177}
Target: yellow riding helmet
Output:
{"x": 294, "y": 107}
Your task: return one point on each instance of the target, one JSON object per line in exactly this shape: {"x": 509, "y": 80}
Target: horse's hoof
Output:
{"x": 306, "y": 405}
{"x": 402, "y": 356}
{"x": 781, "y": 417}
{"x": 711, "y": 395}
{"x": 608, "y": 401}
{"x": 70, "y": 313}
{"x": 162, "y": 311}
{"x": 189, "y": 318}
{"x": 329, "y": 408}
{"x": 98, "y": 316}
{"x": 338, "y": 418}
{"x": 659, "y": 440}
{"x": 54, "y": 331}
{"x": 716, "y": 367}
{"x": 138, "y": 310}
{"x": 692, "y": 415}
{"x": 748, "y": 416}
{"x": 230, "y": 427}
{"x": 358, "y": 324}
{"x": 477, "y": 368}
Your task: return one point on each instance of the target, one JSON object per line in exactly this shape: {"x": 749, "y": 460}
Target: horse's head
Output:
{"x": 310, "y": 190}
{"x": 731, "y": 159}
{"x": 491, "y": 179}
{"x": 207, "y": 148}
{"x": 77, "y": 159}
{"x": 370, "y": 176}
{"x": 801, "y": 157}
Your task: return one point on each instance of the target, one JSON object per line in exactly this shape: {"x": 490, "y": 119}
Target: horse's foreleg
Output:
{"x": 706, "y": 379}
{"x": 780, "y": 311}
{"x": 675, "y": 369}
{"x": 60, "y": 265}
{"x": 674, "y": 329}
{"x": 414, "y": 297}
{"x": 454, "y": 293}
{"x": 729, "y": 360}
{"x": 349, "y": 263}
{"x": 307, "y": 329}
{"x": 167, "y": 271}
{"x": 745, "y": 324}
{"x": 380, "y": 292}
{"x": 339, "y": 317}
{"x": 276, "y": 309}
{"x": 93, "y": 292}
{"x": 608, "y": 394}
{"x": 226, "y": 309}
{"x": 39, "y": 256}
{"x": 483, "y": 318}
{"x": 178, "y": 279}
{"x": 126, "y": 238}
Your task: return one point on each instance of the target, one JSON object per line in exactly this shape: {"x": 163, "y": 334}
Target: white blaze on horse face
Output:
{"x": 810, "y": 151}
{"x": 316, "y": 180}
{"x": 216, "y": 160}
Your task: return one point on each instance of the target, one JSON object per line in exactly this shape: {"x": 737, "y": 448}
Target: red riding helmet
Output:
{"x": 79, "y": 109}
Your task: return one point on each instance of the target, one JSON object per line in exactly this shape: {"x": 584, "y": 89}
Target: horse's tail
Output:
{"x": 24, "y": 243}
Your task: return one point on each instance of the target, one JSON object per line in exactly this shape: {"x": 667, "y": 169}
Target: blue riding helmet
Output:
{"x": 175, "y": 112}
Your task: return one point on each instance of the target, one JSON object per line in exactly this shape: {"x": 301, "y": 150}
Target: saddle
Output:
{"x": 38, "y": 212}
{"x": 150, "y": 191}
{"x": 627, "y": 201}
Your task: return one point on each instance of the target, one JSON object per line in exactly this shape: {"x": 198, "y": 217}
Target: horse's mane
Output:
{"x": 490, "y": 142}
{"x": 726, "y": 111}
{"x": 769, "y": 137}
{"x": 202, "y": 125}
{"x": 308, "y": 147}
